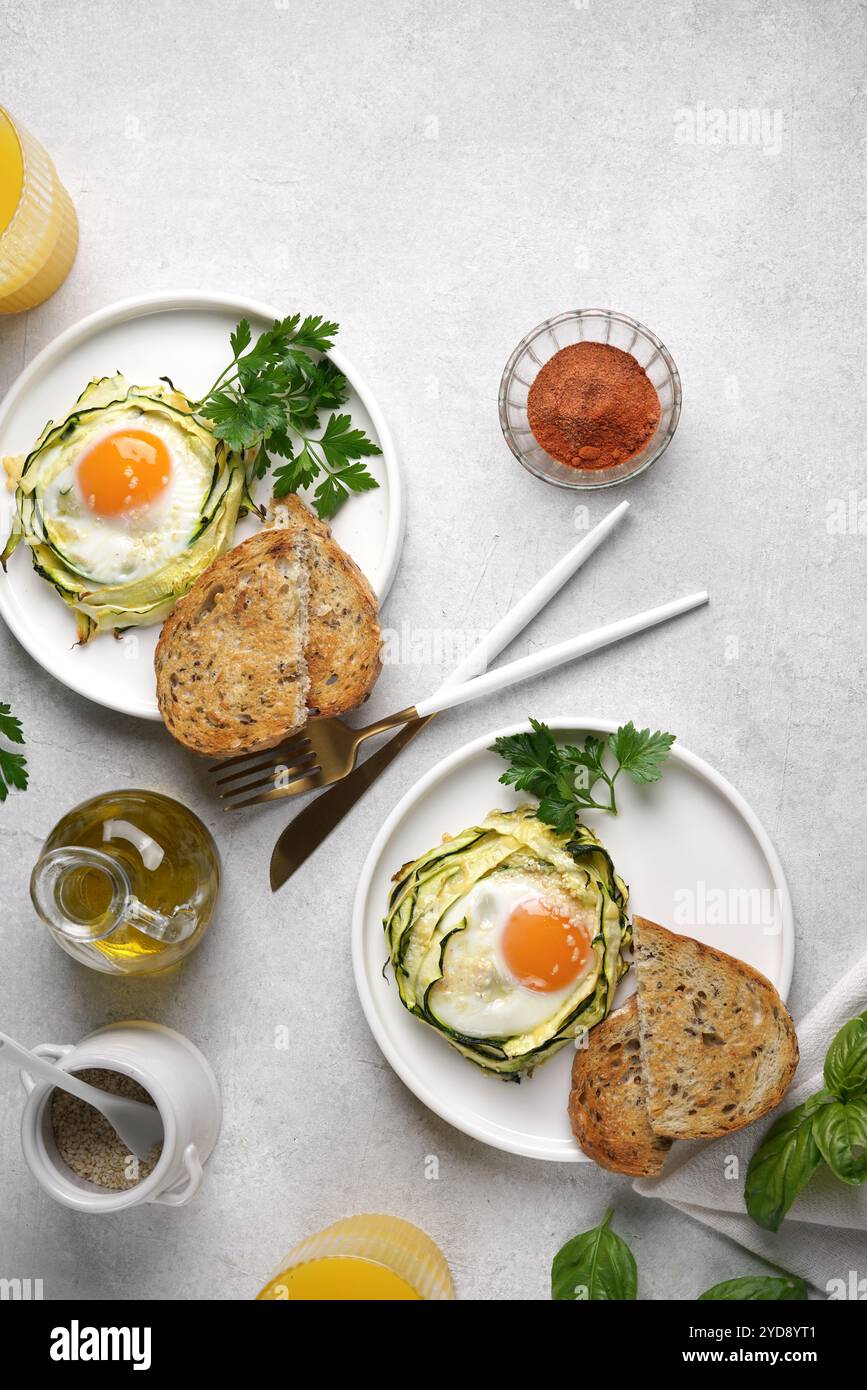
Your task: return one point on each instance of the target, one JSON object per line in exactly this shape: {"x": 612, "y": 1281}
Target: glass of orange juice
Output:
{"x": 38, "y": 226}
{"x": 363, "y": 1258}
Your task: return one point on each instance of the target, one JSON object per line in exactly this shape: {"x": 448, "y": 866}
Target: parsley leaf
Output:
{"x": 340, "y": 441}
{"x": 241, "y": 338}
{"x": 639, "y": 752}
{"x": 13, "y": 766}
{"x": 261, "y": 463}
{"x": 330, "y": 496}
{"x": 272, "y": 393}
{"x": 300, "y": 471}
{"x": 563, "y": 779}
{"x": 334, "y": 490}
{"x": 316, "y": 333}
{"x": 559, "y": 812}
{"x": 280, "y": 443}
{"x": 231, "y": 421}
{"x": 587, "y": 762}
{"x": 531, "y": 757}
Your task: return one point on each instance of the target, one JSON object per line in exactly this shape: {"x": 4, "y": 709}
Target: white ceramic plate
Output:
{"x": 184, "y": 336}
{"x": 696, "y": 859}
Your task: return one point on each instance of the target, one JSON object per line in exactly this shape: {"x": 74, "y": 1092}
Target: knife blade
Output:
{"x": 306, "y": 831}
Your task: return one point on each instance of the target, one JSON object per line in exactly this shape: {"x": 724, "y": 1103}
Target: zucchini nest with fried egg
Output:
{"x": 509, "y": 939}
{"x": 125, "y": 502}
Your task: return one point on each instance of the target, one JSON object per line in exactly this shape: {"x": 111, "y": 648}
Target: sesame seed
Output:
{"x": 88, "y": 1143}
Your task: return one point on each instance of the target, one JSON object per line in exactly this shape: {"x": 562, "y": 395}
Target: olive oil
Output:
{"x": 128, "y": 882}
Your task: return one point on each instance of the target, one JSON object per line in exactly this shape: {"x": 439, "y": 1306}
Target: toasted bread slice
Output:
{"x": 607, "y": 1107}
{"x": 231, "y": 673}
{"x": 718, "y": 1046}
{"x": 343, "y": 636}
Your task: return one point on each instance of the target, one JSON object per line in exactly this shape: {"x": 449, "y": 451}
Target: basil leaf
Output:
{"x": 596, "y": 1266}
{"x": 840, "y": 1131}
{"x": 784, "y": 1164}
{"x": 846, "y": 1062}
{"x": 754, "y": 1288}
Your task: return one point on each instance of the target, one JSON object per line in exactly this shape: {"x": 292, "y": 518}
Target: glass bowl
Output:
{"x": 595, "y": 326}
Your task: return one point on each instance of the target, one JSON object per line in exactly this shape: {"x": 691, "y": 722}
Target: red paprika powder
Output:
{"x": 592, "y": 406}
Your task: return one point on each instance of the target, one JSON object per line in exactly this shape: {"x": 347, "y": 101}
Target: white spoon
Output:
{"x": 138, "y": 1125}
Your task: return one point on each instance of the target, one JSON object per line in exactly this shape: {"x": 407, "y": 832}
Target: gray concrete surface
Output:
{"x": 439, "y": 177}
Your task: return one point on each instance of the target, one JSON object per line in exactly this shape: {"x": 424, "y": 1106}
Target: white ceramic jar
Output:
{"x": 183, "y": 1087}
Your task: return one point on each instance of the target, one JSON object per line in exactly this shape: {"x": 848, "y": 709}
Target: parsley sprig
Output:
{"x": 271, "y": 397}
{"x": 564, "y": 779}
{"x": 13, "y": 766}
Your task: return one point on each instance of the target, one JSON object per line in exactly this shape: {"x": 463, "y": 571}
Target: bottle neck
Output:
{"x": 82, "y": 893}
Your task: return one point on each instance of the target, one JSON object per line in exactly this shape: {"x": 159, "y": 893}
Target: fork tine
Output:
{"x": 288, "y": 746}
{"x": 293, "y": 788}
{"x": 298, "y": 769}
{"x": 270, "y": 758}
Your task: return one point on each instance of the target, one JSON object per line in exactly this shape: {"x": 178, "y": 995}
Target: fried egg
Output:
{"x": 525, "y": 945}
{"x": 129, "y": 499}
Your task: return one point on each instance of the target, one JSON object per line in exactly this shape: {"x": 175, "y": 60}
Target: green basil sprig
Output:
{"x": 784, "y": 1164}
{"x": 597, "y": 1266}
{"x": 840, "y": 1130}
{"x": 846, "y": 1062}
{"x": 753, "y": 1288}
{"x": 829, "y": 1127}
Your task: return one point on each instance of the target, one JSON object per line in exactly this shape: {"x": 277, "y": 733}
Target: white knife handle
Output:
{"x": 449, "y": 696}
{"x": 514, "y": 622}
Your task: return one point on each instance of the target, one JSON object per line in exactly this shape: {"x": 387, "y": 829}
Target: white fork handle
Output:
{"x": 449, "y": 696}
{"x": 514, "y": 622}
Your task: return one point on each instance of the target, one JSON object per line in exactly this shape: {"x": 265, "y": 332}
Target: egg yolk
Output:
{"x": 542, "y": 947}
{"x": 124, "y": 471}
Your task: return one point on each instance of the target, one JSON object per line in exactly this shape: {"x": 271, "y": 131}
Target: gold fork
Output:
{"x": 327, "y": 749}
{"x": 323, "y": 752}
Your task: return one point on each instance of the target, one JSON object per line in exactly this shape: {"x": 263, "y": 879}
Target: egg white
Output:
{"x": 130, "y": 545}
{"x": 478, "y": 995}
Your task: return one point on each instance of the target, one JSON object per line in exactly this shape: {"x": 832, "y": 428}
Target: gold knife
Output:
{"x": 310, "y": 827}
{"x": 306, "y": 831}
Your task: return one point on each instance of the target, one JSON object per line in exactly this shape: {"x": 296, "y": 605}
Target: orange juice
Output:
{"x": 38, "y": 226}
{"x": 338, "y": 1279}
{"x": 364, "y": 1258}
{"x": 11, "y": 171}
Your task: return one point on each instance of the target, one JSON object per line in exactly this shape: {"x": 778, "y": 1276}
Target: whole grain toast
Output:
{"x": 607, "y": 1107}
{"x": 718, "y": 1047}
{"x": 343, "y": 636}
{"x": 230, "y": 666}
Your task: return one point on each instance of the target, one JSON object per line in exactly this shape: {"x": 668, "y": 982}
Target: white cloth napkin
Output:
{"x": 824, "y": 1236}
